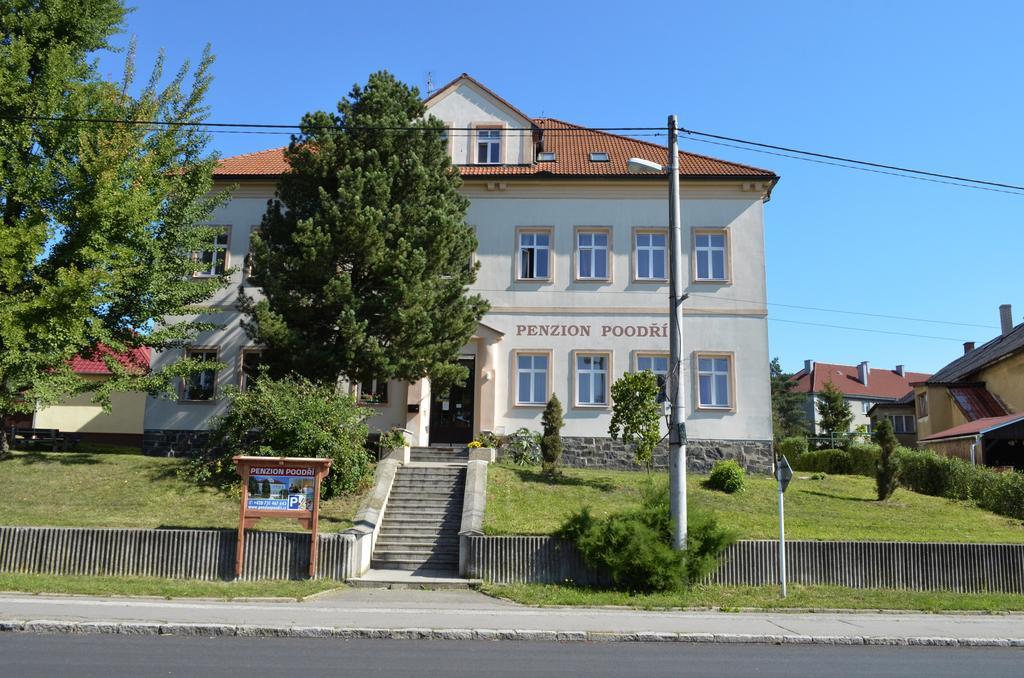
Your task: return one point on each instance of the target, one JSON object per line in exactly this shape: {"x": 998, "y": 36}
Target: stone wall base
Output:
{"x": 165, "y": 442}
{"x": 753, "y": 455}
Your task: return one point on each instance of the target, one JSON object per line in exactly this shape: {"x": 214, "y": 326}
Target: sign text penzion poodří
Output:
{"x": 651, "y": 330}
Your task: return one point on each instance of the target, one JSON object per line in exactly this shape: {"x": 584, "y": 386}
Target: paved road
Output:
{"x": 31, "y": 655}
{"x": 470, "y": 610}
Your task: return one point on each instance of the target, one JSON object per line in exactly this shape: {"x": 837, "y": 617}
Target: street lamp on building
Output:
{"x": 677, "y": 417}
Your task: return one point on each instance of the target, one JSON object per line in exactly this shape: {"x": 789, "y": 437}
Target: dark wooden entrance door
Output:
{"x": 451, "y": 415}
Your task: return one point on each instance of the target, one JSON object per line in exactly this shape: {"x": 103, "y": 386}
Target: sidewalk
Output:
{"x": 459, "y": 615}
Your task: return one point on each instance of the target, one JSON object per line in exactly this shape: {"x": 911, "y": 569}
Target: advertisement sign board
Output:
{"x": 280, "y": 487}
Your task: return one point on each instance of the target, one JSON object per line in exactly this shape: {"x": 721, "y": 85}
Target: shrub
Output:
{"x": 551, "y": 443}
{"x": 635, "y": 547}
{"x": 392, "y": 439}
{"x": 636, "y": 414}
{"x": 858, "y": 460}
{"x": 291, "y": 417}
{"x": 925, "y": 472}
{"x": 726, "y": 476}
{"x": 523, "y": 447}
{"x": 488, "y": 439}
{"x": 792, "y": 447}
{"x": 888, "y": 470}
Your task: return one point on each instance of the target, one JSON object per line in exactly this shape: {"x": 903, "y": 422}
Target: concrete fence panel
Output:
{"x": 893, "y": 565}
{"x": 176, "y": 554}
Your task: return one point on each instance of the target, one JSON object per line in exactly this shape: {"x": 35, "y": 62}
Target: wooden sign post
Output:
{"x": 280, "y": 487}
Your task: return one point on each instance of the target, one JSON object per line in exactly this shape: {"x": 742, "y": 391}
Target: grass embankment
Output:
{"x": 732, "y": 598}
{"x": 110, "y": 488}
{"x": 164, "y": 588}
{"x": 523, "y": 501}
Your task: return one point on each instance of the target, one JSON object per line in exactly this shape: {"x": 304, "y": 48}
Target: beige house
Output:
{"x": 122, "y": 424}
{"x": 574, "y": 262}
{"x": 973, "y": 407}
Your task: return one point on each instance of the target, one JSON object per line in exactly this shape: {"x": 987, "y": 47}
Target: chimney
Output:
{"x": 1006, "y": 318}
{"x": 808, "y": 366}
{"x": 968, "y": 347}
{"x": 862, "y": 372}
{"x": 900, "y": 371}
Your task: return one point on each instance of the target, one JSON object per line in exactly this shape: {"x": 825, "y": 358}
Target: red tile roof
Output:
{"x": 572, "y": 145}
{"x": 975, "y": 427}
{"x": 881, "y": 383}
{"x": 136, "y": 359}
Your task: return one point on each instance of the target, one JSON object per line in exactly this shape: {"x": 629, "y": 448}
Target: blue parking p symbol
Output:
{"x": 293, "y": 501}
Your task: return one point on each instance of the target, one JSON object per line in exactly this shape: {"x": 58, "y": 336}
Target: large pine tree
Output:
{"x": 788, "y": 415}
{"x": 364, "y": 257}
{"x": 96, "y": 218}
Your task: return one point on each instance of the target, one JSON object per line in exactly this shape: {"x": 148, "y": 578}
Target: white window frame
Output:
{"x": 642, "y": 355}
{"x": 547, "y": 249}
{"x": 533, "y": 371}
{"x": 216, "y": 246}
{"x": 713, "y": 373}
{"x": 647, "y": 252}
{"x": 708, "y": 251}
{"x": 376, "y": 386}
{"x": 491, "y": 138}
{"x": 591, "y": 252}
{"x": 203, "y": 352}
{"x": 578, "y": 371}
{"x": 906, "y": 418}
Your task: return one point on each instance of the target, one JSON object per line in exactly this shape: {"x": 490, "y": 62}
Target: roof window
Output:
{"x": 546, "y": 156}
{"x": 598, "y": 156}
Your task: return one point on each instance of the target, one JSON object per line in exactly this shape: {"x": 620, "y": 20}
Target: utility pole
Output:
{"x": 677, "y": 418}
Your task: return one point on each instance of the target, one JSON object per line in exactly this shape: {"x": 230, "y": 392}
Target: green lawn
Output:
{"x": 731, "y": 598}
{"x": 522, "y": 501}
{"x": 94, "y": 489}
{"x": 165, "y": 588}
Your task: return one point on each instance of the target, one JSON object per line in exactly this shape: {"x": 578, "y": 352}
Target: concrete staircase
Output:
{"x": 439, "y": 455}
{"x": 420, "y": 531}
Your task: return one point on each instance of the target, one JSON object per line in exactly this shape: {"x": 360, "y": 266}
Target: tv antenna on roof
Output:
{"x": 430, "y": 83}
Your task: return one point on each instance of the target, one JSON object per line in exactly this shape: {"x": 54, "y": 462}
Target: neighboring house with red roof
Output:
{"x": 973, "y": 408}
{"x": 862, "y": 386}
{"x": 574, "y": 262}
{"x": 122, "y": 424}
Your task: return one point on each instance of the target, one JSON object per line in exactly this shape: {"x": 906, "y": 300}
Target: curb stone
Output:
{"x": 523, "y": 635}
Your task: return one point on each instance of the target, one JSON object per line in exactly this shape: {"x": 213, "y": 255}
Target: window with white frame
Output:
{"x": 532, "y": 378}
{"x": 711, "y": 255}
{"x": 591, "y": 379}
{"x": 534, "y": 255}
{"x": 373, "y": 391}
{"x": 865, "y": 406}
{"x": 200, "y": 385}
{"x": 658, "y": 364}
{"x": 903, "y": 423}
{"x": 488, "y": 146}
{"x": 215, "y": 259}
{"x": 592, "y": 255}
{"x": 922, "y": 404}
{"x": 250, "y": 368}
{"x": 714, "y": 382}
{"x": 649, "y": 248}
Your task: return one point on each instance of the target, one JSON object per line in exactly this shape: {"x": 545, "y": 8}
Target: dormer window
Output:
{"x": 598, "y": 156}
{"x": 546, "y": 156}
{"x": 488, "y": 146}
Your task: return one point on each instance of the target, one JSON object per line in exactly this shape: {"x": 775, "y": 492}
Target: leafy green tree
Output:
{"x": 788, "y": 418}
{"x": 834, "y": 414}
{"x": 551, "y": 442}
{"x": 96, "y": 219}
{"x": 887, "y": 474}
{"x": 364, "y": 255}
{"x": 636, "y": 414}
{"x": 288, "y": 417}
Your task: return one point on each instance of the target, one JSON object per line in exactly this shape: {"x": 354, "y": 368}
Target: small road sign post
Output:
{"x": 783, "y": 473}
{"x": 280, "y": 487}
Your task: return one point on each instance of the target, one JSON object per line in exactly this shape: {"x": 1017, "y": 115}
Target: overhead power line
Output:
{"x": 864, "y": 329}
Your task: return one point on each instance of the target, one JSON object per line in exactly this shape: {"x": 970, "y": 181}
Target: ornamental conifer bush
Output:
{"x": 551, "y": 442}
{"x": 887, "y": 471}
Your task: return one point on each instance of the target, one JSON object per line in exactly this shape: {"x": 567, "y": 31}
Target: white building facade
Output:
{"x": 573, "y": 256}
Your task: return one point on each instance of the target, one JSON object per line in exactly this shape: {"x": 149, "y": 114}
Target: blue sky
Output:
{"x": 930, "y": 85}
